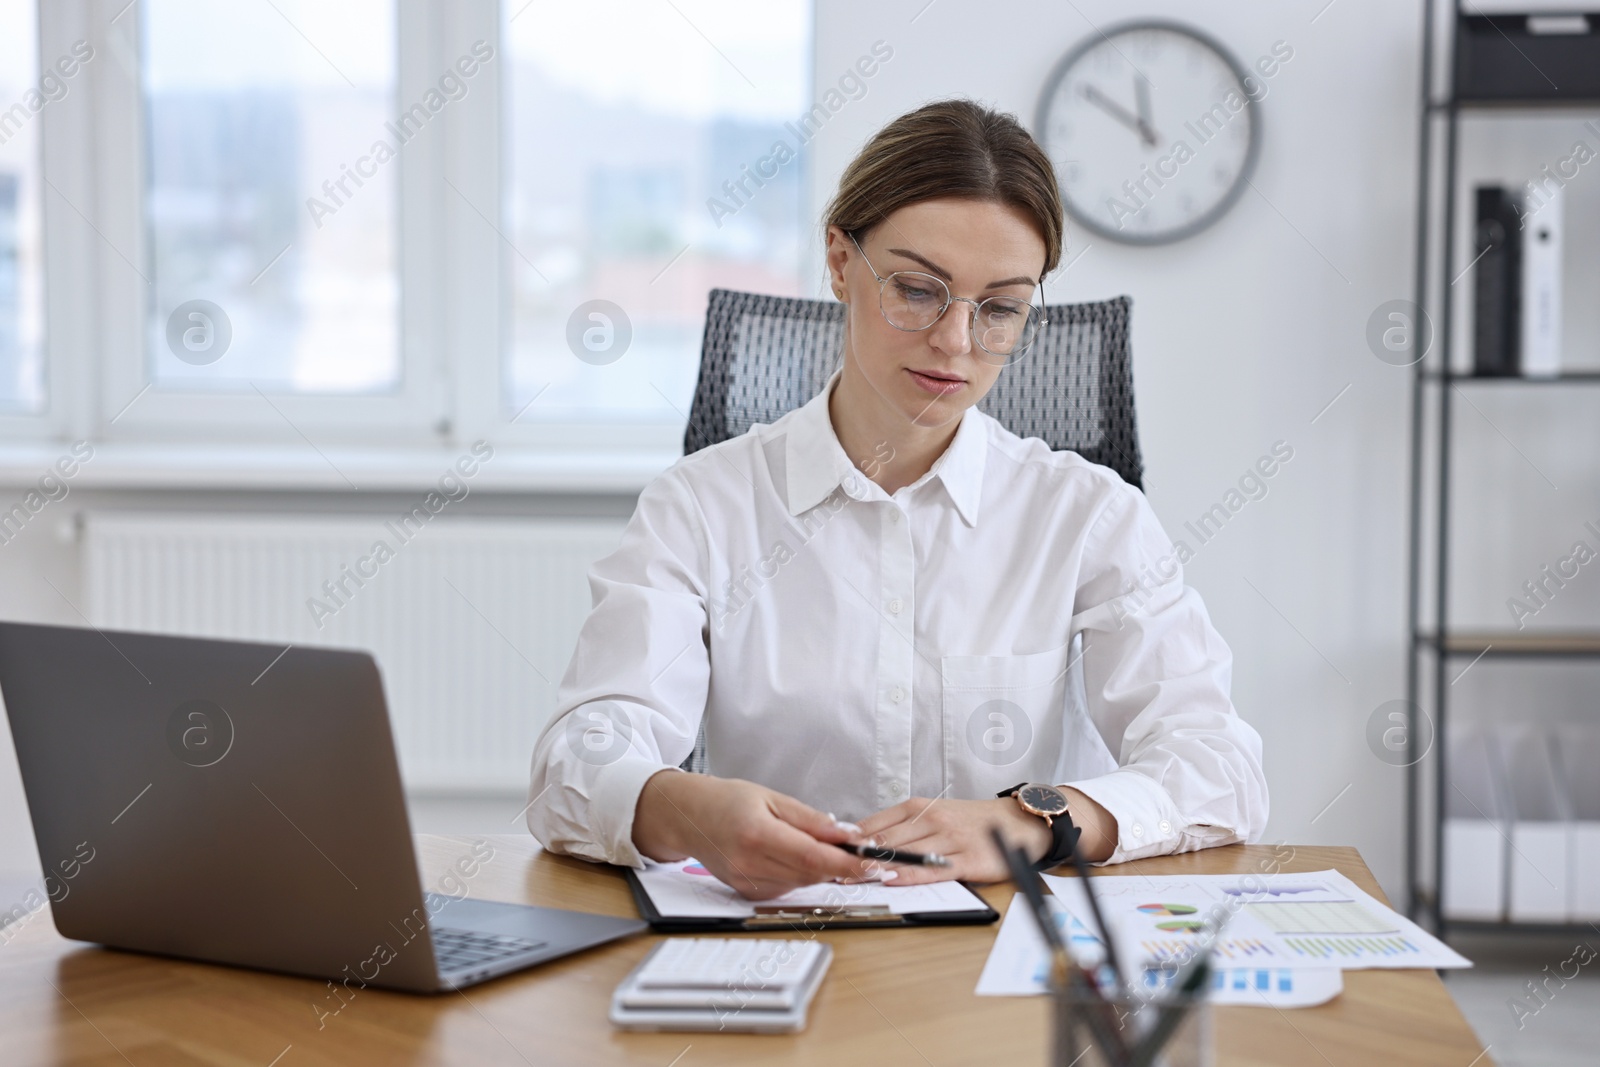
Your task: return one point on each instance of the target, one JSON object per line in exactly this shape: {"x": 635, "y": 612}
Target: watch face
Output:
{"x": 1045, "y": 799}
{"x": 1152, "y": 131}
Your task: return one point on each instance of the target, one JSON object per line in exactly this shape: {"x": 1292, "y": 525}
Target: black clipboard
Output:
{"x": 774, "y": 917}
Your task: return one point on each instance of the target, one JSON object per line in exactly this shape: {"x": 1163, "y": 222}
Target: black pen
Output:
{"x": 1118, "y": 975}
{"x": 891, "y": 855}
{"x": 1028, "y": 885}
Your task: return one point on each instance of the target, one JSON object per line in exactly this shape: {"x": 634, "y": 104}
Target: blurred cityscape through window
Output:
{"x": 256, "y": 116}
{"x": 615, "y": 152}
{"x": 22, "y": 99}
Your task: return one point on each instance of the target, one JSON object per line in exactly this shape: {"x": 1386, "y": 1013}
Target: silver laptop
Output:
{"x": 211, "y": 801}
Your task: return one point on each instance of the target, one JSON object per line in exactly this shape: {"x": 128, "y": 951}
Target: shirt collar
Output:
{"x": 816, "y": 464}
{"x": 960, "y": 469}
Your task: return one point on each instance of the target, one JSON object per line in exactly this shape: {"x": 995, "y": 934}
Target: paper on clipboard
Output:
{"x": 686, "y": 890}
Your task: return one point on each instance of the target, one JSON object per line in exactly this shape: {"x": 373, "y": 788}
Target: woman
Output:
{"x": 887, "y": 609}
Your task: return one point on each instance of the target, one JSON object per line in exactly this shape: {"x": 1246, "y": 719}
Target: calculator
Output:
{"x": 744, "y": 985}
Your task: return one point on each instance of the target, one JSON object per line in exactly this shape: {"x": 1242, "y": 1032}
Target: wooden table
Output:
{"x": 892, "y": 997}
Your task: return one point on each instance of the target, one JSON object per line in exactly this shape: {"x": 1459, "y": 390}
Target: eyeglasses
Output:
{"x": 1003, "y": 327}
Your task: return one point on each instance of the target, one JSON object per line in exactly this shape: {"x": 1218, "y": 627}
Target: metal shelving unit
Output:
{"x": 1436, "y": 646}
{"x": 1568, "y": 378}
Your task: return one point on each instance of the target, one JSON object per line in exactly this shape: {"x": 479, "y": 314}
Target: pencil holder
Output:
{"x": 1090, "y": 1031}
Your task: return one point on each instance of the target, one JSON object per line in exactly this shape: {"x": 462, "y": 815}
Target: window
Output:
{"x": 618, "y": 154}
{"x": 24, "y": 92}
{"x": 240, "y": 263}
{"x": 271, "y": 229}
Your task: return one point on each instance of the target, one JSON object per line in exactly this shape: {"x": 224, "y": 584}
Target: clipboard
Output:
{"x": 808, "y": 917}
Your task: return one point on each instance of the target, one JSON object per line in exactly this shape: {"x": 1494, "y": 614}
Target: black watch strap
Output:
{"x": 1063, "y": 835}
{"x": 1063, "y": 840}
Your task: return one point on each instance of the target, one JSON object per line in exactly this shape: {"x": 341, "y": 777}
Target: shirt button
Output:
{"x": 894, "y": 789}
{"x": 1138, "y": 830}
{"x": 894, "y": 514}
{"x": 894, "y": 606}
{"x": 1166, "y": 827}
{"x": 897, "y": 694}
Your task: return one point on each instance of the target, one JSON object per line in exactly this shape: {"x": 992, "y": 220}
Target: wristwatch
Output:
{"x": 1050, "y": 804}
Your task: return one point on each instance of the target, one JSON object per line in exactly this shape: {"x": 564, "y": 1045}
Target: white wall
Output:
{"x": 1242, "y": 335}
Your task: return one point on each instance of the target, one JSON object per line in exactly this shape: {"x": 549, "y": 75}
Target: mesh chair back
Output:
{"x": 764, "y": 356}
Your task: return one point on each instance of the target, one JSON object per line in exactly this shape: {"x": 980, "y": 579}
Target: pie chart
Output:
{"x": 1182, "y": 926}
{"x": 1168, "y": 909}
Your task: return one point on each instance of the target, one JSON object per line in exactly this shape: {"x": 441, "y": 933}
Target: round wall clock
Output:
{"x": 1153, "y": 131}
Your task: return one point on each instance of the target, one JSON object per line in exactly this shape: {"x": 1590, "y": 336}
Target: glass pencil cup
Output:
{"x": 1089, "y": 1031}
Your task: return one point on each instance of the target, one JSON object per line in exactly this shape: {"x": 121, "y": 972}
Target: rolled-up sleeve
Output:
{"x": 1157, "y": 676}
{"x": 633, "y": 695}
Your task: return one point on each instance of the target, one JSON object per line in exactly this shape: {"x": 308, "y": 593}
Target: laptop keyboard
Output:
{"x": 459, "y": 949}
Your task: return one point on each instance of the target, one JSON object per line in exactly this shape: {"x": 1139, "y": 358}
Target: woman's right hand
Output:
{"x": 757, "y": 840}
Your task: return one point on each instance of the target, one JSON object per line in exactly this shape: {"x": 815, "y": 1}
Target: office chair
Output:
{"x": 764, "y": 356}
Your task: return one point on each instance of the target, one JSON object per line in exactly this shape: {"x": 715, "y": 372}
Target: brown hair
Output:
{"x": 950, "y": 149}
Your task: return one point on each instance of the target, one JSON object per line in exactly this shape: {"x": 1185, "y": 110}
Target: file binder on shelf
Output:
{"x": 1578, "y": 752}
{"x": 1540, "y": 829}
{"x": 1541, "y": 281}
{"x": 1497, "y": 283}
{"x": 1473, "y": 882}
{"x": 1544, "y": 51}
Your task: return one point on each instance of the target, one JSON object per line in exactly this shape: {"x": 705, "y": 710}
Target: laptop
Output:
{"x": 241, "y": 804}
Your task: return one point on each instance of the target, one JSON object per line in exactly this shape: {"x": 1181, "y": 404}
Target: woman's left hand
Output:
{"x": 959, "y": 831}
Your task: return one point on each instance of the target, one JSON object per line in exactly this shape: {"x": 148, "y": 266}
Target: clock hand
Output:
{"x": 1111, "y": 107}
{"x": 1120, "y": 113}
{"x": 1141, "y": 91}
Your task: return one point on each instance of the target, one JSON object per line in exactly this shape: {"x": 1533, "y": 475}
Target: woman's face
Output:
{"x": 979, "y": 249}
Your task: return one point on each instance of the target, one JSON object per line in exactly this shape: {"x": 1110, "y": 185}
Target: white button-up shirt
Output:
{"x": 1015, "y": 615}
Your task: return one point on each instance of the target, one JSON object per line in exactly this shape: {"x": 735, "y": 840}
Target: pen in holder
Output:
{"x": 1164, "y": 1030}
{"x": 1101, "y": 1017}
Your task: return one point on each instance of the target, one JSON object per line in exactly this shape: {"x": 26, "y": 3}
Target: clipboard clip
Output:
{"x": 781, "y": 915}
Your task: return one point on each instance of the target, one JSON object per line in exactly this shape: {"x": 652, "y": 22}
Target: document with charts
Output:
{"x": 1277, "y": 921}
{"x": 1019, "y": 966}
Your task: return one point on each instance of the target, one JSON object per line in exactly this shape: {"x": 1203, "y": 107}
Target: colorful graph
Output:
{"x": 1350, "y": 948}
{"x": 1232, "y": 948}
{"x": 695, "y": 868}
{"x": 1261, "y": 979}
{"x": 1240, "y": 978}
{"x": 1271, "y": 890}
{"x": 1319, "y": 917}
{"x": 1243, "y": 948}
{"x": 1168, "y": 909}
{"x": 1182, "y": 926}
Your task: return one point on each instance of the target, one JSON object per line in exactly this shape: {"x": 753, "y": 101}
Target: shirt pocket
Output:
{"x": 1005, "y": 719}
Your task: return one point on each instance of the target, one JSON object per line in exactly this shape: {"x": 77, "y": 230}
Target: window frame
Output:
{"x": 454, "y": 259}
{"x": 57, "y": 156}
{"x": 129, "y": 408}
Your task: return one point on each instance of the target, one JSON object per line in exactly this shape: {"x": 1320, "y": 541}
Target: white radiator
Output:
{"x": 472, "y": 621}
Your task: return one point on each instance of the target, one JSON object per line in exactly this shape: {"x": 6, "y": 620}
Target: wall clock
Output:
{"x": 1153, "y": 130}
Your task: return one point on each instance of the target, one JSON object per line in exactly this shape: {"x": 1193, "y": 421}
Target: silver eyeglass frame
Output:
{"x": 950, "y": 298}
